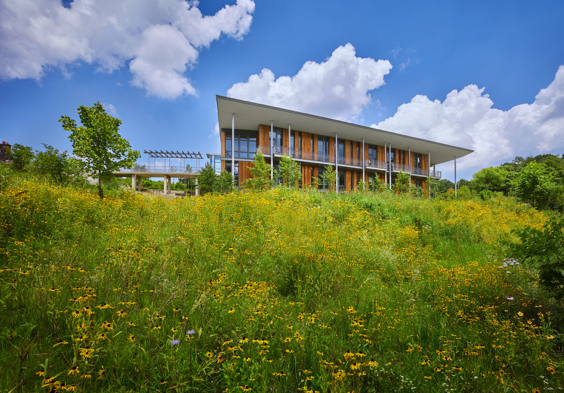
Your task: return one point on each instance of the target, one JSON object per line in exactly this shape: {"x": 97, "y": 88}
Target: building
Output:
{"x": 4, "y": 152}
{"x": 357, "y": 152}
{"x": 215, "y": 161}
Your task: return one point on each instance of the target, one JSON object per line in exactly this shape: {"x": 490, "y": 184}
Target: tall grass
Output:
{"x": 275, "y": 291}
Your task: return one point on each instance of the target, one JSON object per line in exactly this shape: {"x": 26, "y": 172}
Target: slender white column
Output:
{"x": 164, "y": 187}
{"x": 429, "y": 165}
{"x": 197, "y": 192}
{"x": 133, "y": 179}
{"x": 139, "y": 183}
{"x": 455, "y": 193}
{"x": 409, "y": 167}
{"x": 289, "y": 139}
{"x": 386, "y": 164}
{"x": 363, "y": 161}
{"x": 233, "y": 146}
{"x": 271, "y": 150}
{"x": 390, "y": 147}
{"x": 336, "y": 163}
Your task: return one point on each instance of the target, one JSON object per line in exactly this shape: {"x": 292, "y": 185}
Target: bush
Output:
{"x": 544, "y": 249}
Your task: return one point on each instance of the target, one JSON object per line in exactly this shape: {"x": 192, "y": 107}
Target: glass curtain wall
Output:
{"x": 245, "y": 144}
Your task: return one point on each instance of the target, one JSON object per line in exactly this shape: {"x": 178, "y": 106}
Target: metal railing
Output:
{"x": 330, "y": 158}
{"x": 161, "y": 169}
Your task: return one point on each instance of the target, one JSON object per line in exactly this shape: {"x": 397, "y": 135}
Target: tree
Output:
{"x": 289, "y": 172}
{"x": 98, "y": 143}
{"x": 329, "y": 177}
{"x": 375, "y": 183}
{"x": 57, "y": 166}
{"x": 224, "y": 183}
{"x": 21, "y": 156}
{"x": 535, "y": 184}
{"x": 207, "y": 179}
{"x": 402, "y": 182}
{"x": 260, "y": 173}
{"x": 489, "y": 180}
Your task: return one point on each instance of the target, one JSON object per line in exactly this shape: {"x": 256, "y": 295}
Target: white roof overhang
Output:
{"x": 249, "y": 115}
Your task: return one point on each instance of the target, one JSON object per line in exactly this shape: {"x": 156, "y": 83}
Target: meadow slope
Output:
{"x": 277, "y": 291}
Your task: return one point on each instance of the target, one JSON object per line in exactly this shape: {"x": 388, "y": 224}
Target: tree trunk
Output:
{"x": 100, "y": 191}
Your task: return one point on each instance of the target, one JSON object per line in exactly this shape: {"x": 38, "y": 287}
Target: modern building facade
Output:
{"x": 215, "y": 161}
{"x": 357, "y": 152}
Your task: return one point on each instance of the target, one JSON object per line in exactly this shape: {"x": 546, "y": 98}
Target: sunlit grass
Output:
{"x": 275, "y": 291}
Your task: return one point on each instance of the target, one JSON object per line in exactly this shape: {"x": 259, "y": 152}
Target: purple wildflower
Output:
{"x": 510, "y": 298}
{"x": 174, "y": 342}
{"x": 190, "y": 332}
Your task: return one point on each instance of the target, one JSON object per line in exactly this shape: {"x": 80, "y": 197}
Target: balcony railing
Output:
{"x": 161, "y": 169}
{"x": 330, "y": 158}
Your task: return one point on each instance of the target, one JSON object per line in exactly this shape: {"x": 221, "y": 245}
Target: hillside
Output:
{"x": 276, "y": 291}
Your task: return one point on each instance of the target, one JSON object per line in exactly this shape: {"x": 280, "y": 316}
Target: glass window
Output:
{"x": 228, "y": 146}
{"x": 341, "y": 149}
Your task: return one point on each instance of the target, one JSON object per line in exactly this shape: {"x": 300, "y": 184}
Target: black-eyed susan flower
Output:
{"x": 74, "y": 370}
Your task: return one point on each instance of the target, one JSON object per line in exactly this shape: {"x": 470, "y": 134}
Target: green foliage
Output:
{"x": 207, "y": 181}
{"x": 260, "y": 173}
{"x": 402, "y": 182}
{"x": 21, "y": 156}
{"x": 544, "y": 249}
{"x": 329, "y": 177}
{"x": 57, "y": 166}
{"x": 289, "y": 172}
{"x": 362, "y": 186}
{"x": 490, "y": 180}
{"x": 375, "y": 184}
{"x": 464, "y": 192}
{"x": 224, "y": 183}
{"x": 535, "y": 185}
{"x": 98, "y": 143}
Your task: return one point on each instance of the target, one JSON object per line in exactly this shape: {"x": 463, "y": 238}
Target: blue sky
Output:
{"x": 482, "y": 75}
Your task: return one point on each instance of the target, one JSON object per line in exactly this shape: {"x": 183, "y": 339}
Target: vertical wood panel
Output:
{"x": 296, "y": 143}
{"x": 244, "y": 172}
{"x": 285, "y": 137}
{"x": 354, "y": 175}
{"x": 306, "y": 148}
{"x": 347, "y": 179}
{"x": 365, "y": 153}
{"x": 347, "y": 149}
{"x": 331, "y": 149}
{"x": 316, "y": 171}
{"x": 424, "y": 161}
{"x": 381, "y": 153}
{"x": 222, "y": 144}
{"x": 381, "y": 176}
{"x": 306, "y": 175}
{"x": 315, "y": 147}
{"x": 354, "y": 152}
{"x": 222, "y": 165}
{"x": 264, "y": 135}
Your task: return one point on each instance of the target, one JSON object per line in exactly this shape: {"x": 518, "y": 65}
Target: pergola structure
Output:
{"x": 163, "y": 170}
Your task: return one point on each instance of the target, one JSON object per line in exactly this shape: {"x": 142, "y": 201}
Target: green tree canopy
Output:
{"x": 260, "y": 172}
{"x": 289, "y": 172}
{"x": 492, "y": 179}
{"x": 98, "y": 143}
{"x": 535, "y": 184}
{"x": 207, "y": 179}
{"x": 21, "y": 156}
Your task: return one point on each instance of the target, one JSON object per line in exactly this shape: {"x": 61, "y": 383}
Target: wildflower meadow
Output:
{"x": 275, "y": 291}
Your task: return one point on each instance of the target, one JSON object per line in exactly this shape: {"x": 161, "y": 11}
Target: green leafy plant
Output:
{"x": 535, "y": 185}
{"x": 207, "y": 179}
{"x": 329, "y": 177}
{"x": 544, "y": 249}
{"x": 21, "y": 156}
{"x": 224, "y": 183}
{"x": 98, "y": 143}
{"x": 402, "y": 182}
{"x": 289, "y": 172}
{"x": 260, "y": 173}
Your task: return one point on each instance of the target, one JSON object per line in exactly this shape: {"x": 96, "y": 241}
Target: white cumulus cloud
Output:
{"x": 467, "y": 118}
{"x": 159, "y": 40}
{"x": 337, "y": 88}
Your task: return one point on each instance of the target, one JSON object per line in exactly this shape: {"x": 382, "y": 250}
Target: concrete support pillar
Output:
{"x": 386, "y": 164}
{"x": 197, "y": 188}
{"x": 139, "y": 184}
{"x": 363, "y": 163}
{"x": 271, "y": 150}
{"x": 169, "y": 184}
{"x": 390, "y": 147}
{"x": 133, "y": 181}
{"x": 455, "y": 190}
{"x": 429, "y": 159}
{"x": 233, "y": 146}
{"x": 409, "y": 167}
{"x": 336, "y": 163}
{"x": 165, "y": 184}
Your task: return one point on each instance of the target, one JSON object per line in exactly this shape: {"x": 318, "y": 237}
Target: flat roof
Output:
{"x": 249, "y": 115}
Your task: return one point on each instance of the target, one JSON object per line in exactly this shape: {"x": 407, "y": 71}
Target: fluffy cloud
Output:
{"x": 336, "y": 88}
{"x": 160, "y": 39}
{"x": 466, "y": 118}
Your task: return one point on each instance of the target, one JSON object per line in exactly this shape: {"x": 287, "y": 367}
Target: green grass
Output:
{"x": 283, "y": 291}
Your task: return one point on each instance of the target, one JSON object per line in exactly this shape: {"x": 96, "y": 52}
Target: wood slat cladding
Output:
{"x": 366, "y": 152}
{"x": 244, "y": 172}
{"x": 296, "y": 142}
{"x": 354, "y": 151}
{"x": 411, "y": 160}
{"x": 381, "y": 153}
{"x": 331, "y": 149}
{"x": 306, "y": 174}
{"x": 354, "y": 178}
{"x": 222, "y": 165}
{"x": 315, "y": 145}
{"x": 424, "y": 161}
{"x": 347, "y": 179}
{"x": 285, "y": 138}
{"x": 222, "y": 135}
{"x": 382, "y": 177}
{"x": 264, "y": 135}
{"x": 306, "y": 142}
{"x": 347, "y": 149}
